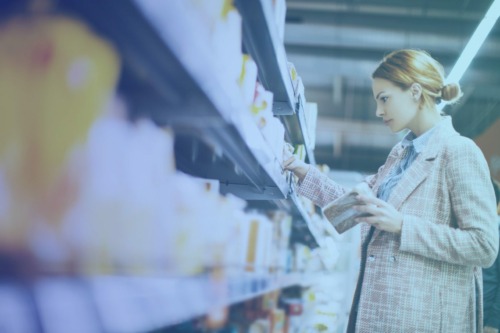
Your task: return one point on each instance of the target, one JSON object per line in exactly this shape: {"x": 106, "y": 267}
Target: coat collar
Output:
{"x": 444, "y": 130}
{"x": 418, "y": 143}
{"x": 440, "y": 132}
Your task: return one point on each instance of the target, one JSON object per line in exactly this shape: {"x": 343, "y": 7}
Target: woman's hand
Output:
{"x": 297, "y": 166}
{"x": 384, "y": 216}
{"x": 293, "y": 163}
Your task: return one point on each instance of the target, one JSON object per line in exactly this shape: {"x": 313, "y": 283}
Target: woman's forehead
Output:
{"x": 380, "y": 85}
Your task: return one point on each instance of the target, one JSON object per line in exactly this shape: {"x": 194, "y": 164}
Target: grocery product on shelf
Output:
{"x": 226, "y": 41}
{"x": 125, "y": 188}
{"x": 56, "y": 76}
{"x": 271, "y": 127}
{"x": 248, "y": 80}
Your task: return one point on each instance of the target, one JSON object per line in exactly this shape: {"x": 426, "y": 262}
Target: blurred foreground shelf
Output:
{"x": 125, "y": 304}
{"x": 168, "y": 75}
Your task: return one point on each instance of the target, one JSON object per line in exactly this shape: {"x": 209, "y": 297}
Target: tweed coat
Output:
{"x": 428, "y": 278}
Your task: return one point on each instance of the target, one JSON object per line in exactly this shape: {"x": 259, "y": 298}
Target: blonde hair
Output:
{"x": 408, "y": 66}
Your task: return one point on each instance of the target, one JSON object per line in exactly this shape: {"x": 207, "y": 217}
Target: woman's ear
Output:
{"x": 416, "y": 91}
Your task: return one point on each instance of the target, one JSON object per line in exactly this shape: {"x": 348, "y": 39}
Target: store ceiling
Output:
{"x": 335, "y": 46}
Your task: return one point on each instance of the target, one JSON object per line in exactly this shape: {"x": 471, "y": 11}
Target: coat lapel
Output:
{"x": 420, "y": 168}
{"x": 392, "y": 160}
{"x": 415, "y": 175}
{"x": 424, "y": 163}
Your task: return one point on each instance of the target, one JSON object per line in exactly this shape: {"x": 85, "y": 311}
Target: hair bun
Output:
{"x": 451, "y": 92}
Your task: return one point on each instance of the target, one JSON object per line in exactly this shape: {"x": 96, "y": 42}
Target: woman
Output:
{"x": 433, "y": 220}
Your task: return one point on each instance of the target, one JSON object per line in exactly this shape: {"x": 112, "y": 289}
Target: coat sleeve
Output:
{"x": 319, "y": 188}
{"x": 322, "y": 190}
{"x": 474, "y": 242}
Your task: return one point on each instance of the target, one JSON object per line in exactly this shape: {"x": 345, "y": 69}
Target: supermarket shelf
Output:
{"x": 261, "y": 40}
{"x": 296, "y": 128}
{"x": 157, "y": 81}
{"x": 305, "y": 216}
{"x": 127, "y": 304}
{"x": 292, "y": 205}
{"x": 303, "y": 126}
{"x": 175, "y": 300}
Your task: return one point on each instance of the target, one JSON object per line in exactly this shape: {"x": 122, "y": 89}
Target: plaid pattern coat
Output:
{"x": 428, "y": 279}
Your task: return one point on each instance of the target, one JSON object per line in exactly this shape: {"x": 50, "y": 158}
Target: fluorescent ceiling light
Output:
{"x": 474, "y": 44}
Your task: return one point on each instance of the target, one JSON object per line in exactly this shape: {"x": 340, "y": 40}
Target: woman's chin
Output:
{"x": 396, "y": 129}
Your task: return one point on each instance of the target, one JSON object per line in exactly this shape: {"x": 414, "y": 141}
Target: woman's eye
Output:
{"x": 384, "y": 99}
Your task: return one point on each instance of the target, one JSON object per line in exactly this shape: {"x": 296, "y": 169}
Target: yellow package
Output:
{"x": 55, "y": 77}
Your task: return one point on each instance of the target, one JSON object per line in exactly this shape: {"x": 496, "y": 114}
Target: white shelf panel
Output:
{"x": 129, "y": 304}
{"x": 169, "y": 301}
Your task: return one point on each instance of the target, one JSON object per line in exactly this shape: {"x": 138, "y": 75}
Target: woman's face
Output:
{"x": 397, "y": 107}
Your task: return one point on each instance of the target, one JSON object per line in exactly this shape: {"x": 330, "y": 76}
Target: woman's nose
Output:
{"x": 379, "y": 112}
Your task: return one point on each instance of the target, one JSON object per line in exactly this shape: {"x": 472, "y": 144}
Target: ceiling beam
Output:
{"x": 407, "y": 10}
{"x": 318, "y": 65}
{"x": 361, "y": 40}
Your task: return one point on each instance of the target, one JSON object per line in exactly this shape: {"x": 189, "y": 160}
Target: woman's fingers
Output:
{"x": 287, "y": 151}
{"x": 289, "y": 162}
{"x": 382, "y": 215}
{"x": 362, "y": 188}
{"x": 371, "y": 200}
{"x": 369, "y": 208}
{"x": 287, "y": 154}
{"x": 373, "y": 220}
{"x": 297, "y": 166}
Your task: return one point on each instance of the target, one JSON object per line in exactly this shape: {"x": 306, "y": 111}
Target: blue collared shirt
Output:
{"x": 412, "y": 147}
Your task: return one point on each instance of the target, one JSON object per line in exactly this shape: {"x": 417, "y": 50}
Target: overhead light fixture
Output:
{"x": 475, "y": 42}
